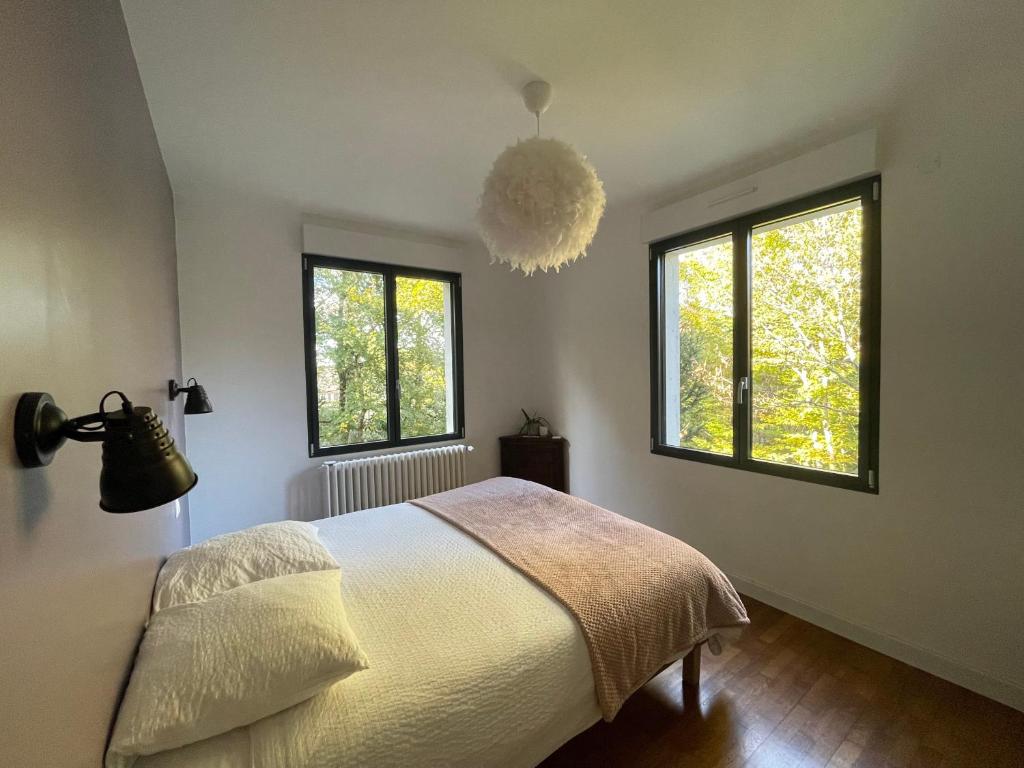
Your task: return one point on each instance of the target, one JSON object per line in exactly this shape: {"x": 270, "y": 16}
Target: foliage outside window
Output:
{"x": 383, "y": 349}
{"x": 765, "y": 340}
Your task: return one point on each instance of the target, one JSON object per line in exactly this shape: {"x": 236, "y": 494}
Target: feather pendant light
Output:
{"x": 542, "y": 200}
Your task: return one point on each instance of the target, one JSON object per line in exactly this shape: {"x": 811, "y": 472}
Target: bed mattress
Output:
{"x": 471, "y": 664}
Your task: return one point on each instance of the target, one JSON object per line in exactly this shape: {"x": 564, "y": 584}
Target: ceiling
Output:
{"x": 392, "y": 112}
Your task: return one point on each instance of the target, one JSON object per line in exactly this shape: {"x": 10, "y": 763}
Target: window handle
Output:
{"x": 743, "y": 385}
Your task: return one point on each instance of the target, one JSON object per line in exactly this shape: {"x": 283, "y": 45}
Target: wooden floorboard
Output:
{"x": 789, "y": 694}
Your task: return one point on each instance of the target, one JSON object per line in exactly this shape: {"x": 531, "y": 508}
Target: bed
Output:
{"x": 472, "y": 663}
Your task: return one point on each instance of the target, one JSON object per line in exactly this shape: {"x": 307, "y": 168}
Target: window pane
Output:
{"x": 805, "y": 339}
{"x": 351, "y": 362}
{"x": 425, "y": 357}
{"x": 698, "y": 346}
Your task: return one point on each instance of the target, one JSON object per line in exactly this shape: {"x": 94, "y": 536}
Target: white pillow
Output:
{"x": 206, "y": 668}
{"x": 233, "y": 559}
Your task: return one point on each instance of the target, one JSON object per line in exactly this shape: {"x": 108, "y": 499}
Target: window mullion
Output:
{"x": 741, "y": 342}
{"x": 391, "y": 343}
{"x": 459, "y": 416}
{"x": 657, "y": 352}
{"x": 869, "y": 342}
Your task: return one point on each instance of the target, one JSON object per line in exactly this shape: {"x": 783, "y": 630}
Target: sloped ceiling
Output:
{"x": 393, "y": 111}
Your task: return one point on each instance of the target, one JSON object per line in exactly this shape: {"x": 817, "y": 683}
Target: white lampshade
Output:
{"x": 540, "y": 206}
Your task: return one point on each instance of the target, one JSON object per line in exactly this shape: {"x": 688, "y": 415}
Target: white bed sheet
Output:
{"x": 471, "y": 664}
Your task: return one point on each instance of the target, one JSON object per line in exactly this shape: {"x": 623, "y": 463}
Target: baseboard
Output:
{"x": 936, "y": 664}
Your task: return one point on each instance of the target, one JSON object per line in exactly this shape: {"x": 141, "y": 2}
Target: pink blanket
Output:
{"x": 641, "y": 597}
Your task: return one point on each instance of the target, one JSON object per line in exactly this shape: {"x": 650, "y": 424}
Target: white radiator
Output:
{"x": 391, "y": 478}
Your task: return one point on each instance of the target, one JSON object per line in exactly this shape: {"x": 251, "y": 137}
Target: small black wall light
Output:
{"x": 141, "y": 466}
{"x": 196, "y": 400}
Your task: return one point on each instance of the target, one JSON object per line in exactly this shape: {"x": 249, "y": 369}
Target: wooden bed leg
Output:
{"x": 691, "y": 667}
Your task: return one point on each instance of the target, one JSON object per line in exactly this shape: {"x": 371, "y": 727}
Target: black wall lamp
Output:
{"x": 141, "y": 467}
{"x": 196, "y": 400}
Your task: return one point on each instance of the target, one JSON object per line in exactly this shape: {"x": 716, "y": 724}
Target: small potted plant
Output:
{"x": 534, "y": 426}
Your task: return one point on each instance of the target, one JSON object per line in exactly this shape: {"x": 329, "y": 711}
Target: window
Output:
{"x": 383, "y": 355}
{"x": 764, "y": 343}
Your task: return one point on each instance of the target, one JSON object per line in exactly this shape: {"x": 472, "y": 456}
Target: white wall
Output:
{"x": 87, "y": 287}
{"x": 241, "y": 310}
{"x": 931, "y": 569}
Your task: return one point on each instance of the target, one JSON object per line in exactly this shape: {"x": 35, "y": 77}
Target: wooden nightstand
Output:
{"x": 540, "y": 459}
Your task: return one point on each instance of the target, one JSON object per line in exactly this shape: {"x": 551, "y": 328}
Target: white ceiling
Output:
{"x": 392, "y": 112}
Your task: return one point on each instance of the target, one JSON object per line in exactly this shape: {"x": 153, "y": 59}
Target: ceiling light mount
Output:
{"x": 537, "y": 98}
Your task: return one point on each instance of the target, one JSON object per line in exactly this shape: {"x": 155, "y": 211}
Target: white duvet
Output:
{"x": 471, "y": 664}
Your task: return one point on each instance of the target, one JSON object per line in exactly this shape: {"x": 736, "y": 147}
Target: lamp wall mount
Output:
{"x": 41, "y": 428}
{"x": 174, "y": 388}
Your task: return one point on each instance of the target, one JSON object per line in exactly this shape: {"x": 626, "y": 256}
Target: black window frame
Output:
{"x": 390, "y": 273}
{"x": 740, "y": 228}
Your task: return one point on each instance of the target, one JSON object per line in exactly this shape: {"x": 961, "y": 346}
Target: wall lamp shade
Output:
{"x": 142, "y": 468}
{"x": 196, "y": 400}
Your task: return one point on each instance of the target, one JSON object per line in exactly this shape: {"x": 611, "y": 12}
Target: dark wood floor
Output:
{"x": 790, "y": 694}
